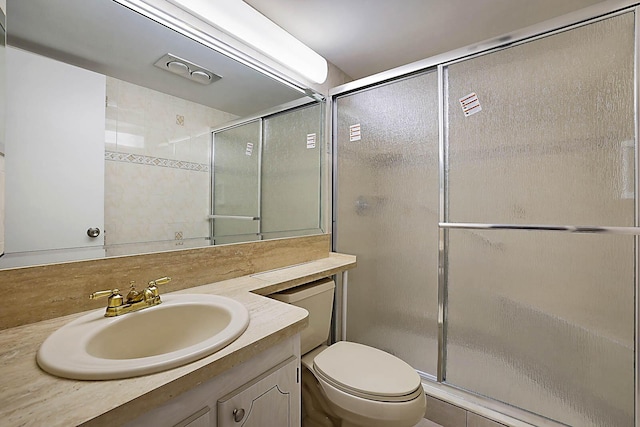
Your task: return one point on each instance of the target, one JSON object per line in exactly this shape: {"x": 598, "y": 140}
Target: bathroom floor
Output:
{"x": 426, "y": 423}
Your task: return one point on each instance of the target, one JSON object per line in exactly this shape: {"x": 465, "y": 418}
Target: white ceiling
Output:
{"x": 364, "y": 37}
{"x": 361, "y": 37}
{"x": 106, "y": 37}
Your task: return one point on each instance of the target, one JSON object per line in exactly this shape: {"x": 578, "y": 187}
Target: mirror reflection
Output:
{"x": 276, "y": 194}
{"x": 100, "y": 137}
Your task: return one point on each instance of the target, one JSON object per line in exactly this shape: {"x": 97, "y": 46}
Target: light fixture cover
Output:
{"x": 243, "y": 22}
{"x": 186, "y": 69}
{"x": 177, "y": 67}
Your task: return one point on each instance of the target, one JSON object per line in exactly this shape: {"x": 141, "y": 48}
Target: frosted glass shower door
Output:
{"x": 236, "y": 184}
{"x": 544, "y": 320}
{"x": 291, "y": 172}
{"x": 386, "y": 212}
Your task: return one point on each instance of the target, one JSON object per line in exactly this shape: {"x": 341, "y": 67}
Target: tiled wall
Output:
{"x": 157, "y": 169}
{"x": 447, "y": 415}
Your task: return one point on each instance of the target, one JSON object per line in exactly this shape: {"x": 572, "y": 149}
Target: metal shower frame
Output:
{"x": 478, "y": 404}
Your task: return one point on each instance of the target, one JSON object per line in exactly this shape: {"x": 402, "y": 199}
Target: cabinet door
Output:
{"x": 273, "y": 399}
{"x": 55, "y": 154}
{"x": 199, "y": 419}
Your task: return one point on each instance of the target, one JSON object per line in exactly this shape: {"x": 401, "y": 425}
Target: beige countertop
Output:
{"x": 31, "y": 397}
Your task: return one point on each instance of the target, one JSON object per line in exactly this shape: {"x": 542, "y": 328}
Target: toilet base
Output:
{"x": 315, "y": 412}
{"x": 318, "y": 412}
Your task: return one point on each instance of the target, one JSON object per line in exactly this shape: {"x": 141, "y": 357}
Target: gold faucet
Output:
{"x": 134, "y": 301}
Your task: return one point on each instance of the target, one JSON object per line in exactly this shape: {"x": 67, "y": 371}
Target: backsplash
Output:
{"x": 33, "y": 294}
{"x": 157, "y": 181}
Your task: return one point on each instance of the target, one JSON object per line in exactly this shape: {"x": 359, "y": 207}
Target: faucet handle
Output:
{"x": 102, "y": 294}
{"x": 152, "y": 289}
{"x": 160, "y": 281}
{"x": 115, "y": 299}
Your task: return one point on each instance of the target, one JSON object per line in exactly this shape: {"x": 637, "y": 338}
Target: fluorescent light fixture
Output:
{"x": 246, "y": 24}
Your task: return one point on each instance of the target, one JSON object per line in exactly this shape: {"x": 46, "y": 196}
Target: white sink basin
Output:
{"x": 182, "y": 329}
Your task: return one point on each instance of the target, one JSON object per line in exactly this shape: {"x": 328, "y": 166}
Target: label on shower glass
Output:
{"x": 354, "y": 132}
{"x": 311, "y": 140}
{"x": 470, "y": 104}
{"x": 249, "y": 149}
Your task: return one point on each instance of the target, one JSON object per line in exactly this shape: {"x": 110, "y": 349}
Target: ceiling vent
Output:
{"x": 186, "y": 69}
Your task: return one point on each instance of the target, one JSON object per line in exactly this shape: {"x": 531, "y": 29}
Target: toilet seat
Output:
{"x": 367, "y": 373}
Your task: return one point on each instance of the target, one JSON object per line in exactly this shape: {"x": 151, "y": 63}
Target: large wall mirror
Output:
{"x": 125, "y": 136}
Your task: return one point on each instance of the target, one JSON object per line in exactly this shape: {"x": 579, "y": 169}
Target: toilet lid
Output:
{"x": 367, "y": 371}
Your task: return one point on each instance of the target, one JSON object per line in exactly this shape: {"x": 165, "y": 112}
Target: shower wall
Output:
{"x": 538, "y": 320}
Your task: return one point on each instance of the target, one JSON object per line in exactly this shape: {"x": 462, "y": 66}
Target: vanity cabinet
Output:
{"x": 261, "y": 392}
{"x": 202, "y": 418}
{"x": 265, "y": 401}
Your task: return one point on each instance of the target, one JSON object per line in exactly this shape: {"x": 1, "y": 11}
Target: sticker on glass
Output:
{"x": 354, "y": 132}
{"x": 470, "y": 104}
{"x": 311, "y": 140}
{"x": 249, "y": 149}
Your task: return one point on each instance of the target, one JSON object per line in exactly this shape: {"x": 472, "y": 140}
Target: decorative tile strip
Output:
{"x": 115, "y": 156}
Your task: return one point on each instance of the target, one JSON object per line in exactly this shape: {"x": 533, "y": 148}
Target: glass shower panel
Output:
{"x": 291, "y": 172}
{"x": 236, "y": 183}
{"x": 544, "y": 321}
{"x": 387, "y": 214}
{"x": 552, "y": 141}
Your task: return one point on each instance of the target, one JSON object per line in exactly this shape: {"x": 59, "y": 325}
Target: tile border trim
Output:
{"x": 140, "y": 159}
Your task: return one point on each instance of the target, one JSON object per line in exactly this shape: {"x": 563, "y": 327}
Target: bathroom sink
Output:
{"x": 184, "y": 328}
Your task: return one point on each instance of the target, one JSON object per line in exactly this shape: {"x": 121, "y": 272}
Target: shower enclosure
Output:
{"x": 266, "y": 177}
{"x": 490, "y": 199}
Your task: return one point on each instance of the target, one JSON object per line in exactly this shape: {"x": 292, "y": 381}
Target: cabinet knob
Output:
{"x": 93, "y": 232}
{"x": 238, "y": 415}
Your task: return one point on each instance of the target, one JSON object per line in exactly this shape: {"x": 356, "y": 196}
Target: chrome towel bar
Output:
{"x": 634, "y": 231}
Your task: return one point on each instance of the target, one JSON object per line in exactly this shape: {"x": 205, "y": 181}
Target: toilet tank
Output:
{"x": 317, "y": 299}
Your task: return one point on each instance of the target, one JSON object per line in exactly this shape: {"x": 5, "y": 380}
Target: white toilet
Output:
{"x": 349, "y": 384}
